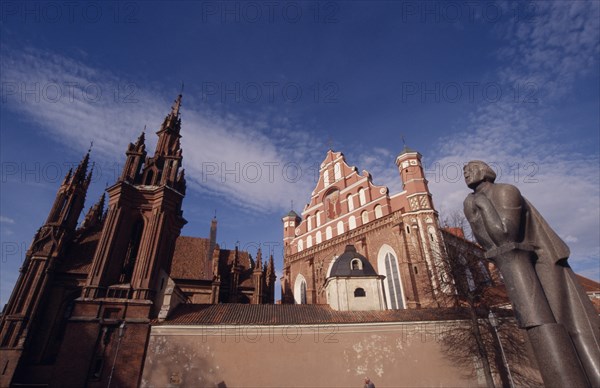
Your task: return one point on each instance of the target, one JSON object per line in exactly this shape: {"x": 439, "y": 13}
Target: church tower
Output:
{"x": 144, "y": 219}
{"x": 421, "y": 227}
{"x": 129, "y": 271}
{"x": 22, "y": 315}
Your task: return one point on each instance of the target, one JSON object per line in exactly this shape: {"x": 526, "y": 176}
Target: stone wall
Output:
{"x": 391, "y": 354}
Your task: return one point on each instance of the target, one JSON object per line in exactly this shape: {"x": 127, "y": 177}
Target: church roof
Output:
{"x": 190, "y": 261}
{"x": 289, "y": 314}
{"x": 343, "y": 264}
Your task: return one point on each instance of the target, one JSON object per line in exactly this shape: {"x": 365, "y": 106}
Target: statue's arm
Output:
{"x": 502, "y": 217}
{"x": 473, "y": 215}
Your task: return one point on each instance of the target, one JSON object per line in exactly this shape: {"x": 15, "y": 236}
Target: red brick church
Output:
{"x": 125, "y": 265}
{"x": 367, "y": 267}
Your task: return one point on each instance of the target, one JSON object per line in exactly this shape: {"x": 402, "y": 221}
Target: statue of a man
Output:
{"x": 533, "y": 261}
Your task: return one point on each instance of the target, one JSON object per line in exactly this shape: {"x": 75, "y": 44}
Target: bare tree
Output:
{"x": 470, "y": 283}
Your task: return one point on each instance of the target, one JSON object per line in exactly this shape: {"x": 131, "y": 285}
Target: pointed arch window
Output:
{"x": 149, "y": 178}
{"x": 300, "y": 290}
{"x": 388, "y": 266}
{"x": 132, "y": 251}
{"x": 309, "y": 221}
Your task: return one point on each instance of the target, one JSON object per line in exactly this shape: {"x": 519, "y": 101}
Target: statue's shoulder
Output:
{"x": 506, "y": 188}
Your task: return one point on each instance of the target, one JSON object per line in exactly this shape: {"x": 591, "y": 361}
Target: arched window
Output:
{"x": 356, "y": 264}
{"x": 378, "y": 211}
{"x": 326, "y": 178}
{"x": 318, "y": 216}
{"x": 337, "y": 171}
{"x": 300, "y": 290}
{"x": 300, "y": 245}
{"x": 388, "y": 266}
{"x": 340, "y": 227}
{"x": 318, "y": 237}
{"x": 359, "y": 293}
{"x": 309, "y": 222}
{"x": 365, "y": 217}
{"x": 362, "y": 197}
{"x": 132, "y": 251}
{"x": 351, "y": 222}
{"x": 149, "y": 178}
{"x": 350, "y": 200}
{"x": 308, "y": 242}
{"x": 328, "y": 233}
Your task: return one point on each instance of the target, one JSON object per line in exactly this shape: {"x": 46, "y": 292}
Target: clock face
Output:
{"x": 413, "y": 162}
{"x": 405, "y": 164}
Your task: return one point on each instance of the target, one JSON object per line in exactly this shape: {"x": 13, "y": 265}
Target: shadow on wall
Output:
{"x": 171, "y": 365}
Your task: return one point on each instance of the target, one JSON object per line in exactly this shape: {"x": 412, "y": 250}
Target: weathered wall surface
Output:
{"x": 392, "y": 355}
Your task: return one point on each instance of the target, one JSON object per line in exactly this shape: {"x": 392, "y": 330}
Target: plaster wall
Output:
{"x": 391, "y": 354}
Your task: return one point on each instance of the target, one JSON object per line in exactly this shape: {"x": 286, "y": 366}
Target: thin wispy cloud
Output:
{"x": 6, "y": 220}
{"x": 553, "y": 52}
{"x": 259, "y": 163}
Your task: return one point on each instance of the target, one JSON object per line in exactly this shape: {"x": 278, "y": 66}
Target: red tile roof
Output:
{"x": 286, "y": 314}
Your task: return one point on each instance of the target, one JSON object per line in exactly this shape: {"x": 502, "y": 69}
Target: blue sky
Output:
{"x": 268, "y": 86}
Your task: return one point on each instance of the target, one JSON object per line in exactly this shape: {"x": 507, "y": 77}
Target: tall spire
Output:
{"x": 258, "y": 265}
{"x": 81, "y": 170}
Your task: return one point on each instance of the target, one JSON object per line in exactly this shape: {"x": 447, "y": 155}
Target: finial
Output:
{"x": 292, "y": 204}
{"x": 181, "y": 91}
{"x": 144, "y": 130}
{"x": 215, "y": 216}
{"x": 91, "y": 145}
{"x": 403, "y": 141}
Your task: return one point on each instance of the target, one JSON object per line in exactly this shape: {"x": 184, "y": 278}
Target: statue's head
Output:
{"x": 476, "y": 172}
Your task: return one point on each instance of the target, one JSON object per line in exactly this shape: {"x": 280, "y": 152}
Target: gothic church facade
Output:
{"x": 87, "y": 293}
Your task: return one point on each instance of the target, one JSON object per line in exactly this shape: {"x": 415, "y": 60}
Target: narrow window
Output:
{"x": 340, "y": 227}
{"x": 365, "y": 217}
{"x": 337, "y": 171}
{"x": 132, "y": 252}
{"x": 362, "y": 197}
{"x": 378, "y": 211}
{"x": 350, "y": 200}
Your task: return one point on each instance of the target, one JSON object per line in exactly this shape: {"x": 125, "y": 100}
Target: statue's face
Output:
{"x": 473, "y": 174}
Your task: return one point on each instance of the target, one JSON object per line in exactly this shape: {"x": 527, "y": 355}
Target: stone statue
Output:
{"x": 548, "y": 300}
